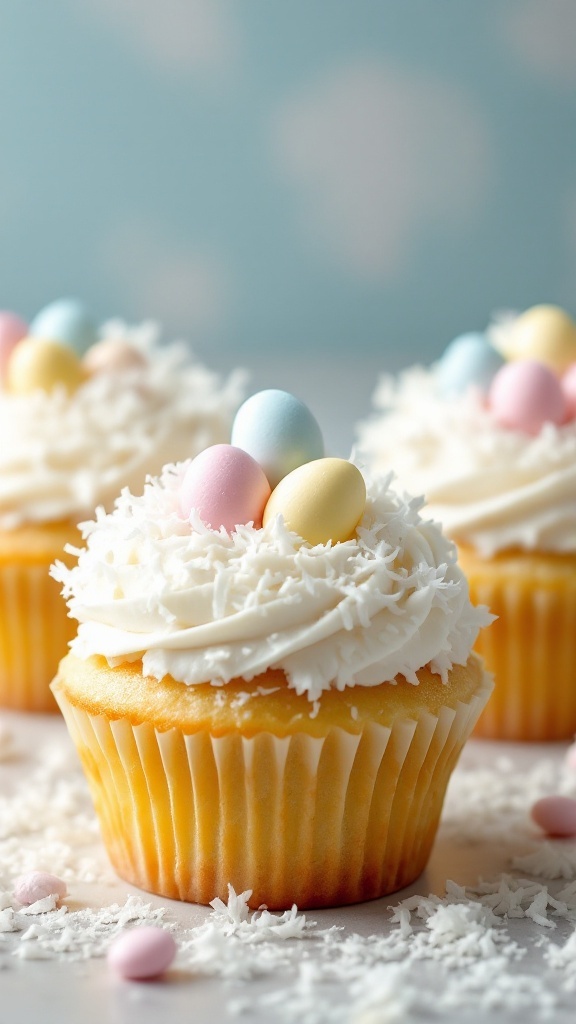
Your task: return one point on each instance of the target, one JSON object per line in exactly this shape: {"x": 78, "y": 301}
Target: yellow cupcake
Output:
{"x": 35, "y": 629}
{"x": 254, "y": 710}
{"x": 73, "y": 431}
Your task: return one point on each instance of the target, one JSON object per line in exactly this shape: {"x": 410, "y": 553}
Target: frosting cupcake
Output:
{"x": 275, "y": 702}
{"x": 83, "y": 411}
{"x": 488, "y": 433}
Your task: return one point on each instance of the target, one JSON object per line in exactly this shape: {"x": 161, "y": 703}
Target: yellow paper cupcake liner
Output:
{"x": 317, "y": 821}
{"x": 34, "y": 626}
{"x": 531, "y": 648}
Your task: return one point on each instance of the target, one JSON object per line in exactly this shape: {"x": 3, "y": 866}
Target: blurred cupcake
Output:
{"x": 269, "y": 688}
{"x": 82, "y": 412}
{"x": 488, "y": 433}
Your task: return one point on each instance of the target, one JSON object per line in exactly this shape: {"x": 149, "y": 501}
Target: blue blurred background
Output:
{"x": 290, "y": 180}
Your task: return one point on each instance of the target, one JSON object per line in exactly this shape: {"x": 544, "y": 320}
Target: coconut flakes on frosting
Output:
{"x": 201, "y": 604}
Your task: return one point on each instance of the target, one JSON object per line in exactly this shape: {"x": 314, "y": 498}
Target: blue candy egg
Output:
{"x": 279, "y": 431}
{"x": 469, "y": 360}
{"x": 68, "y": 321}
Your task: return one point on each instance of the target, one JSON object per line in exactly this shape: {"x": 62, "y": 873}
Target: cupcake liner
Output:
{"x": 530, "y": 648}
{"x": 34, "y": 634}
{"x": 317, "y": 821}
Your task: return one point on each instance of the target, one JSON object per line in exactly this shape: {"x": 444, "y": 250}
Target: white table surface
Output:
{"x": 58, "y": 992}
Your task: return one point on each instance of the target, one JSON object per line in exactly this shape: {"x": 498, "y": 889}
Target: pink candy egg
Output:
{"x": 568, "y": 384}
{"x": 226, "y": 486}
{"x": 12, "y": 330}
{"x": 556, "y": 815}
{"x": 525, "y": 394}
{"x": 36, "y": 885}
{"x": 143, "y": 952}
{"x": 112, "y": 355}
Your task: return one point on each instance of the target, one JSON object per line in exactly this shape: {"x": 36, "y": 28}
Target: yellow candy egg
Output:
{"x": 39, "y": 364}
{"x": 544, "y": 333}
{"x": 321, "y": 501}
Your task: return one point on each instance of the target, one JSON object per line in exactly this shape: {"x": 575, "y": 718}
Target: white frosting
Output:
{"x": 61, "y": 455}
{"x": 204, "y": 605}
{"x": 489, "y": 487}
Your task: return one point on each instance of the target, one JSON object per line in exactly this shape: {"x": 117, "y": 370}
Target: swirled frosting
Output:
{"x": 61, "y": 455}
{"x": 488, "y": 486}
{"x": 201, "y": 605}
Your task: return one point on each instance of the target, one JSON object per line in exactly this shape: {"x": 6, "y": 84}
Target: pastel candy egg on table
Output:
{"x": 12, "y": 330}
{"x": 66, "y": 320}
{"x": 142, "y": 952}
{"x": 545, "y": 333}
{"x": 37, "y": 885}
{"x": 277, "y": 430}
{"x": 468, "y": 361}
{"x": 525, "y": 394}
{"x": 113, "y": 355}
{"x": 226, "y": 486}
{"x": 321, "y": 501}
{"x": 40, "y": 364}
{"x": 555, "y": 815}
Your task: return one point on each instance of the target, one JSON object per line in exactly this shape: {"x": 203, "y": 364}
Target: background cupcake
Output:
{"x": 83, "y": 411}
{"x": 488, "y": 433}
{"x": 272, "y": 697}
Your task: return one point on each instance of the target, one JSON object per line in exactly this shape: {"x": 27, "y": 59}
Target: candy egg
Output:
{"x": 524, "y": 395}
{"x": 570, "y": 757}
{"x": 226, "y": 486}
{"x": 37, "y": 364}
{"x": 143, "y": 952}
{"x": 321, "y": 501}
{"x": 469, "y": 360}
{"x": 555, "y": 815}
{"x": 545, "y": 333}
{"x": 37, "y": 885}
{"x": 568, "y": 383}
{"x": 277, "y": 430}
{"x": 12, "y": 330}
{"x": 112, "y": 355}
{"x": 65, "y": 320}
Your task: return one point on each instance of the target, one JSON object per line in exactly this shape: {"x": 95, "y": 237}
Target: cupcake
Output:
{"x": 488, "y": 433}
{"x": 269, "y": 687}
{"x": 83, "y": 411}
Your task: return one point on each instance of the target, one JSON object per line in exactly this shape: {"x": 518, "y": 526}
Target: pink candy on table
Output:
{"x": 226, "y": 486}
{"x": 570, "y": 757}
{"x": 556, "y": 815}
{"x": 12, "y": 330}
{"x": 525, "y": 394}
{"x": 143, "y": 952}
{"x": 37, "y": 885}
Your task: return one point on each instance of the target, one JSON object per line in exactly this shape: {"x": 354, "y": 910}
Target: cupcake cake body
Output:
{"x": 74, "y": 429}
{"x": 253, "y": 708}
{"x": 499, "y": 473}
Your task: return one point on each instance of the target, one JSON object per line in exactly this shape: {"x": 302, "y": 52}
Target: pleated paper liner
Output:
{"x": 531, "y": 648}
{"x": 313, "y": 820}
{"x": 34, "y": 626}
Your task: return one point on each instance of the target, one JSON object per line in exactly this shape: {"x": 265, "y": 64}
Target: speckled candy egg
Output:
{"x": 524, "y": 395}
{"x": 277, "y": 430}
{"x": 37, "y": 885}
{"x": 468, "y": 361}
{"x": 226, "y": 486}
{"x": 544, "y": 333}
{"x": 38, "y": 364}
{"x": 112, "y": 355}
{"x": 321, "y": 501}
{"x": 142, "y": 952}
{"x": 12, "y": 330}
{"x": 65, "y": 320}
